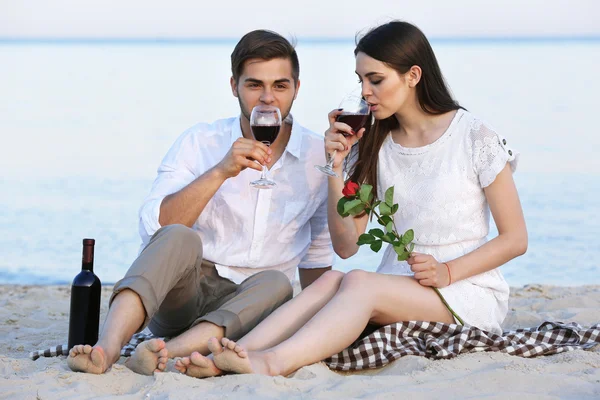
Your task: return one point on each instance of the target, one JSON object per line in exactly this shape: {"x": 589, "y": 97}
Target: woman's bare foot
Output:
{"x": 85, "y": 358}
{"x": 197, "y": 366}
{"x": 149, "y": 357}
{"x": 231, "y": 357}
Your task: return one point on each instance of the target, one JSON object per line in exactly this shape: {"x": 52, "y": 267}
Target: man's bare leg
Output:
{"x": 124, "y": 318}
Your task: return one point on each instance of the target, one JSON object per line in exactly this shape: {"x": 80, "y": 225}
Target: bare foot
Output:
{"x": 85, "y": 358}
{"x": 149, "y": 357}
{"x": 197, "y": 366}
{"x": 231, "y": 357}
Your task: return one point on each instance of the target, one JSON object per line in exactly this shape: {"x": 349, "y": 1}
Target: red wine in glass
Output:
{"x": 355, "y": 121}
{"x": 265, "y": 123}
{"x": 265, "y": 133}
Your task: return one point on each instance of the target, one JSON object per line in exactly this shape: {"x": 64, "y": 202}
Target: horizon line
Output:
{"x": 299, "y": 40}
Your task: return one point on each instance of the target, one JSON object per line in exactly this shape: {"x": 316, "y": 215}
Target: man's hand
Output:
{"x": 244, "y": 153}
{"x": 428, "y": 272}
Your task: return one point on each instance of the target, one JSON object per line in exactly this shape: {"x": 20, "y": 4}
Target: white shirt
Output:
{"x": 243, "y": 229}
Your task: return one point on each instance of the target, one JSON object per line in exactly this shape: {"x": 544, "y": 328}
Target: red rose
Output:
{"x": 350, "y": 189}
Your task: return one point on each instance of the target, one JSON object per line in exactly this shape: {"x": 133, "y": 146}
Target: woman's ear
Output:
{"x": 413, "y": 76}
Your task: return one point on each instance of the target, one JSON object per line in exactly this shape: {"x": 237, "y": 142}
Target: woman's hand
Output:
{"x": 340, "y": 138}
{"x": 428, "y": 271}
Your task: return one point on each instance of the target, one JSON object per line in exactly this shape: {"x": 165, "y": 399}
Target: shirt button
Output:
{"x": 504, "y": 142}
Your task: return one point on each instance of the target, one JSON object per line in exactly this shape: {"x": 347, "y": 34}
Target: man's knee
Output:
{"x": 278, "y": 285}
{"x": 181, "y": 234}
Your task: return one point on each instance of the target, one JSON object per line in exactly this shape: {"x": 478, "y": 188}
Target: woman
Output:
{"x": 449, "y": 170}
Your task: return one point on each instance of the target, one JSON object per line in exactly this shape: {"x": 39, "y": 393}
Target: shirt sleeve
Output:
{"x": 174, "y": 173}
{"x": 320, "y": 252}
{"x": 490, "y": 153}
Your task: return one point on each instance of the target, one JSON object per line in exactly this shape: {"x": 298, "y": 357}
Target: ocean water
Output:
{"x": 84, "y": 126}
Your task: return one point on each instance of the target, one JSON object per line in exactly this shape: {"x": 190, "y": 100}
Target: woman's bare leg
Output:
{"x": 363, "y": 297}
{"x": 277, "y": 327}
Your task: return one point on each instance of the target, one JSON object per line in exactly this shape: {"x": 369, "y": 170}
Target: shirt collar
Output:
{"x": 294, "y": 144}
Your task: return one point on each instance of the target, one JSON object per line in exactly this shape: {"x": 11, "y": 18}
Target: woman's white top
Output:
{"x": 439, "y": 188}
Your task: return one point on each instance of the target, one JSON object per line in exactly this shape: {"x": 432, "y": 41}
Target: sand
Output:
{"x": 36, "y": 317}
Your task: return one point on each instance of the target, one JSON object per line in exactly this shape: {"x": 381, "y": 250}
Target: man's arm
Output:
{"x": 319, "y": 257}
{"x": 308, "y": 276}
{"x": 186, "y": 205}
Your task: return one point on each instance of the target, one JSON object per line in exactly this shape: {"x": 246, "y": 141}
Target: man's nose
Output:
{"x": 267, "y": 97}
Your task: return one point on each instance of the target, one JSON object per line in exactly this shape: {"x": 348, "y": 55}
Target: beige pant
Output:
{"x": 179, "y": 289}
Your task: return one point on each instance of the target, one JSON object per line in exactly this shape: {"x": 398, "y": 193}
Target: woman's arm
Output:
{"x": 511, "y": 241}
{"x": 344, "y": 231}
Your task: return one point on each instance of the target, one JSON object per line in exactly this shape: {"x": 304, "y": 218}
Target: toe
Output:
{"x": 214, "y": 346}
{"x": 231, "y": 345}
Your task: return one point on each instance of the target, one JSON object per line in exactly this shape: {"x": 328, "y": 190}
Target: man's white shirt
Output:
{"x": 245, "y": 230}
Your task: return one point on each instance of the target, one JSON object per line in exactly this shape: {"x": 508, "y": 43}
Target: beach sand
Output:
{"x": 36, "y": 317}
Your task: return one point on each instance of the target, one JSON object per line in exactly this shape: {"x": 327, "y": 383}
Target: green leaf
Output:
{"x": 340, "y": 207}
{"x": 358, "y": 209}
{"x": 371, "y": 196}
{"x": 350, "y": 205}
{"x": 389, "y": 196}
{"x": 376, "y": 232}
{"x": 411, "y": 248}
{"x": 365, "y": 192}
{"x": 384, "y": 209}
{"x": 403, "y": 257}
{"x": 408, "y": 236}
{"x": 394, "y": 208}
{"x": 399, "y": 249}
{"x": 389, "y": 227}
{"x": 386, "y": 220}
{"x": 390, "y": 236}
{"x": 376, "y": 246}
{"x": 386, "y": 239}
{"x": 365, "y": 238}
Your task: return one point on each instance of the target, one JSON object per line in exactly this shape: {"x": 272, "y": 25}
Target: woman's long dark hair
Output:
{"x": 400, "y": 45}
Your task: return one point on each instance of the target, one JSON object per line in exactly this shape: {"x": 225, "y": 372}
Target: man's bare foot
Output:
{"x": 231, "y": 357}
{"x": 85, "y": 358}
{"x": 149, "y": 357}
{"x": 197, "y": 366}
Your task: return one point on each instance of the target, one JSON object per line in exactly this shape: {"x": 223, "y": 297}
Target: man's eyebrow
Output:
{"x": 254, "y": 80}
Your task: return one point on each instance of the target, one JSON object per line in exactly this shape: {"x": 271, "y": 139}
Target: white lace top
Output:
{"x": 439, "y": 188}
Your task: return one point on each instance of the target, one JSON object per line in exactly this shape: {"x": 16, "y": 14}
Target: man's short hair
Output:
{"x": 266, "y": 45}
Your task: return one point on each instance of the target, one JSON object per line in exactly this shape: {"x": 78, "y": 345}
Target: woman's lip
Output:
{"x": 373, "y": 107}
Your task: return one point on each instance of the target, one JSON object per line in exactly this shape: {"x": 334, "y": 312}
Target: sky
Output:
{"x": 137, "y": 19}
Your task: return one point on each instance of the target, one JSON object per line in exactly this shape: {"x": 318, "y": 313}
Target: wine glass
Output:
{"x": 265, "y": 122}
{"x": 355, "y": 112}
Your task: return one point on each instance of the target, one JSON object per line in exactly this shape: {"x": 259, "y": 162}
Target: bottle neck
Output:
{"x": 87, "y": 261}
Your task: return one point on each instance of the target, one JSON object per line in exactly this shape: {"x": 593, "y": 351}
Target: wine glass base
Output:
{"x": 263, "y": 184}
{"x": 327, "y": 170}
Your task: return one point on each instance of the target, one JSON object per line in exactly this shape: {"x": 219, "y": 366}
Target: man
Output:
{"x": 218, "y": 255}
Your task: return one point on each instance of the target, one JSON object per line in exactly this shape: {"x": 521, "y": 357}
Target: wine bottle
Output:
{"x": 84, "y": 317}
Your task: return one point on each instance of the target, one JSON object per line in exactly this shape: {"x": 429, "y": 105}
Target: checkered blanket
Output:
{"x": 431, "y": 340}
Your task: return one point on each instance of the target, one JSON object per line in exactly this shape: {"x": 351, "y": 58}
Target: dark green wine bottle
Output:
{"x": 84, "y": 317}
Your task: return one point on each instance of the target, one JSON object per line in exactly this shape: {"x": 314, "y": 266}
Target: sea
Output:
{"x": 84, "y": 125}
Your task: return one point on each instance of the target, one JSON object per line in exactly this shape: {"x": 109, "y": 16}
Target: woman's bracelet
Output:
{"x": 449, "y": 274}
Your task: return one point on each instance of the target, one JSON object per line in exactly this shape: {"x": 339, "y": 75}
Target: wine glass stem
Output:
{"x": 331, "y": 159}
{"x": 263, "y": 174}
